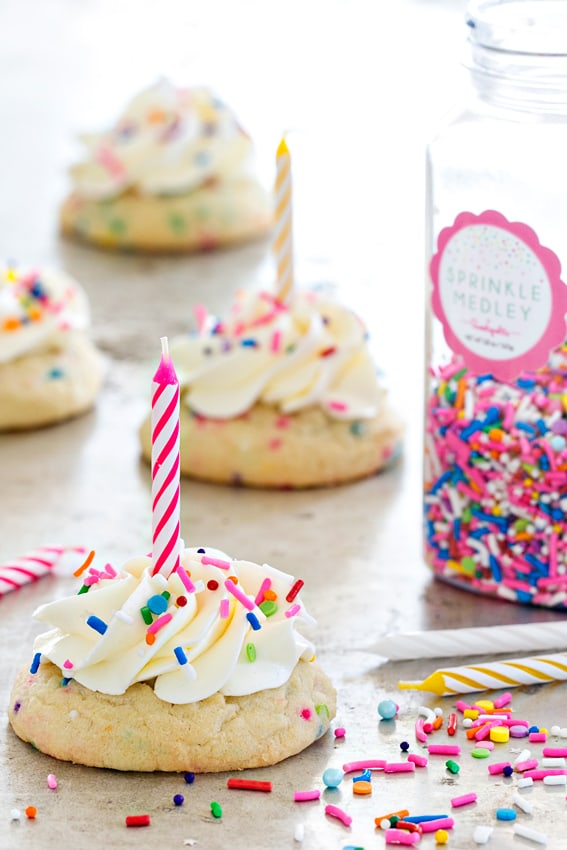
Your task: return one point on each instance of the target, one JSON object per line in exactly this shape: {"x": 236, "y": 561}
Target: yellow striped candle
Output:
{"x": 535, "y": 670}
{"x": 283, "y": 239}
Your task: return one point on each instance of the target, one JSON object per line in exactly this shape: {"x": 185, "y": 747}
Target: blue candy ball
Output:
{"x": 387, "y": 709}
{"x": 333, "y": 777}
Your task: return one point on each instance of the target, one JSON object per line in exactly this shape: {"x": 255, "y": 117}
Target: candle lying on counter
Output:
{"x": 493, "y": 675}
{"x": 33, "y": 566}
{"x": 446, "y": 643}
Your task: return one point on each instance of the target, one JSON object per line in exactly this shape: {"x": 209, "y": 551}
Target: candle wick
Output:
{"x": 164, "y": 347}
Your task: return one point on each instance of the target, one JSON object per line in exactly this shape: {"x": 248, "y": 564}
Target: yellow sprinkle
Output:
{"x": 11, "y": 274}
{"x": 496, "y": 510}
{"x": 500, "y": 734}
{"x": 471, "y": 713}
{"x": 441, "y": 836}
{"x": 485, "y": 704}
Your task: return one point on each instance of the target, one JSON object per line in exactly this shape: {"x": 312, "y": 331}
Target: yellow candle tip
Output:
{"x": 283, "y": 149}
{"x": 435, "y": 684}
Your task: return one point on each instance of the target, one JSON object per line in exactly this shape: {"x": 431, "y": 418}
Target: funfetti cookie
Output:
{"x": 49, "y": 368}
{"x": 202, "y": 670}
{"x": 174, "y": 174}
{"x": 281, "y": 395}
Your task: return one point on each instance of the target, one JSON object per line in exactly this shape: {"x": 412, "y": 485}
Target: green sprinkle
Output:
{"x": 468, "y": 565}
{"x": 452, "y": 766}
{"x": 146, "y": 615}
{"x": 84, "y": 589}
{"x": 250, "y": 652}
{"x": 460, "y": 374}
{"x": 480, "y": 753}
{"x": 393, "y": 820}
{"x": 117, "y": 226}
{"x": 290, "y": 349}
{"x": 521, "y": 524}
{"x": 216, "y": 810}
{"x": 322, "y": 710}
{"x": 268, "y": 607}
{"x": 467, "y": 515}
{"x": 166, "y": 594}
{"x": 357, "y": 428}
{"x": 177, "y": 222}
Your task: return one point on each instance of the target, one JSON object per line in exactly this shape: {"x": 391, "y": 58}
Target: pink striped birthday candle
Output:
{"x": 33, "y": 566}
{"x": 165, "y": 466}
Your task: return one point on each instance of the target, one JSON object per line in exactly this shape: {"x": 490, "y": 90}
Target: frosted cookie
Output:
{"x": 283, "y": 396}
{"x": 202, "y": 671}
{"x": 49, "y": 368}
{"x": 174, "y": 174}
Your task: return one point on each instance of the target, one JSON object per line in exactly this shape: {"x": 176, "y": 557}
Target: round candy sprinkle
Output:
{"x": 441, "y": 836}
{"x": 189, "y": 778}
{"x": 508, "y": 770}
{"x": 333, "y": 777}
{"x": 404, "y": 746}
{"x": 340, "y": 732}
{"x": 387, "y": 709}
{"x": 157, "y": 604}
{"x": 31, "y": 812}
{"x": 178, "y": 799}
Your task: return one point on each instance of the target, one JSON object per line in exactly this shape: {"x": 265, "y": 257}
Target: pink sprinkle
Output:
{"x": 460, "y": 705}
{"x": 340, "y": 732}
{"x": 444, "y": 750}
{"x": 238, "y": 594}
{"x": 283, "y": 421}
{"x": 89, "y": 580}
{"x": 201, "y": 314}
{"x": 400, "y": 836}
{"x": 464, "y": 800}
{"x": 335, "y": 812}
{"x": 185, "y": 580}
{"x": 110, "y": 161}
{"x": 67, "y": 664}
{"x": 52, "y": 781}
{"x": 502, "y": 700}
{"x": 498, "y": 767}
{"x": 419, "y": 761}
{"x": 160, "y": 623}
{"x": 528, "y": 764}
{"x": 399, "y": 767}
{"x": 306, "y": 713}
{"x": 419, "y": 730}
{"x": 215, "y": 562}
{"x": 224, "y": 608}
{"x": 276, "y": 341}
{"x": 555, "y": 752}
{"x": 537, "y": 737}
{"x": 301, "y": 796}
{"x": 293, "y": 610}
{"x": 266, "y": 584}
{"x": 433, "y": 825}
{"x": 370, "y": 764}
{"x": 337, "y": 405}
{"x": 110, "y": 571}
{"x": 275, "y": 444}
{"x": 485, "y": 745}
{"x": 541, "y": 774}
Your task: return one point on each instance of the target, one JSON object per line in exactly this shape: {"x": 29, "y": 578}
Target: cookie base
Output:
{"x": 41, "y": 389}
{"x": 138, "y": 731}
{"x": 264, "y": 448}
{"x": 213, "y": 216}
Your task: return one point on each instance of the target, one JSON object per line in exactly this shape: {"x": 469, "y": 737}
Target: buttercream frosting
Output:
{"x": 216, "y": 625}
{"x": 311, "y": 351}
{"x": 36, "y": 310}
{"x": 168, "y": 141}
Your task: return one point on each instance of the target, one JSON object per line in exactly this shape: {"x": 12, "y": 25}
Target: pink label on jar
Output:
{"x": 498, "y": 294}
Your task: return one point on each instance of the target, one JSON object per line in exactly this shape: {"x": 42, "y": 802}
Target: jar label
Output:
{"x": 498, "y": 294}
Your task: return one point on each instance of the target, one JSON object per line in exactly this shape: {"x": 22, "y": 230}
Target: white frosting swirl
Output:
{"x": 207, "y": 626}
{"x": 312, "y": 352}
{"x": 36, "y": 310}
{"x": 167, "y": 141}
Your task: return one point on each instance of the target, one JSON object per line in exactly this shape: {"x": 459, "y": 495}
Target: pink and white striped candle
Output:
{"x": 33, "y": 566}
{"x": 283, "y": 237}
{"x": 165, "y": 466}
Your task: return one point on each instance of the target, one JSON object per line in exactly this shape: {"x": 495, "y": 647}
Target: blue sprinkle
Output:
{"x": 457, "y": 528}
{"x": 249, "y": 343}
{"x": 65, "y": 681}
{"x": 180, "y": 655}
{"x": 157, "y": 604}
{"x": 35, "y": 663}
{"x": 533, "y": 729}
{"x": 55, "y": 373}
{"x": 529, "y": 429}
{"x": 424, "y": 818}
{"x": 471, "y": 429}
{"x": 526, "y": 383}
{"x": 495, "y": 568}
{"x": 97, "y": 624}
{"x": 505, "y": 814}
{"x": 492, "y": 415}
{"x": 253, "y": 620}
{"x": 200, "y": 551}
{"x": 542, "y": 426}
{"x": 178, "y": 799}
{"x": 480, "y": 380}
{"x": 365, "y": 776}
{"x": 202, "y": 158}
{"x": 189, "y": 778}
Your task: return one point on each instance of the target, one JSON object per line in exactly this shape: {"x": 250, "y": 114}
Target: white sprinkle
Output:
{"x": 482, "y": 834}
{"x": 553, "y": 762}
{"x": 529, "y": 833}
{"x": 563, "y": 732}
{"x": 385, "y": 823}
{"x": 73, "y": 714}
{"x": 522, "y": 803}
{"x": 524, "y": 755}
{"x": 299, "y": 832}
{"x": 555, "y": 730}
{"x": 525, "y": 782}
{"x": 190, "y": 842}
{"x": 15, "y": 814}
{"x": 555, "y": 780}
{"x": 126, "y": 618}
{"x": 189, "y": 671}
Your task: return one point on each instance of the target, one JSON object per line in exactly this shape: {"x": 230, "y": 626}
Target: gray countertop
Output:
{"x": 357, "y": 90}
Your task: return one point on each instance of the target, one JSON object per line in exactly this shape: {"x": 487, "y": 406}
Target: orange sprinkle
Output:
{"x": 156, "y": 116}
{"x": 271, "y": 595}
{"x": 362, "y": 787}
{"x": 150, "y": 638}
{"x": 86, "y": 563}
{"x": 438, "y": 722}
{"x": 34, "y": 314}
{"x": 10, "y": 324}
{"x": 460, "y": 397}
{"x": 496, "y": 434}
{"x": 31, "y": 812}
{"x": 233, "y": 578}
{"x": 523, "y": 535}
{"x": 403, "y": 813}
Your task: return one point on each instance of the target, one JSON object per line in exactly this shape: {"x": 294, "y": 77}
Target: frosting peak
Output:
{"x": 217, "y": 624}
{"x": 311, "y": 351}
{"x": 168, "y": 140}
{"x": 36, "y": 309}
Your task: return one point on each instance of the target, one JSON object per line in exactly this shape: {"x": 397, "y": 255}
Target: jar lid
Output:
{"x": 519, "y": 26}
